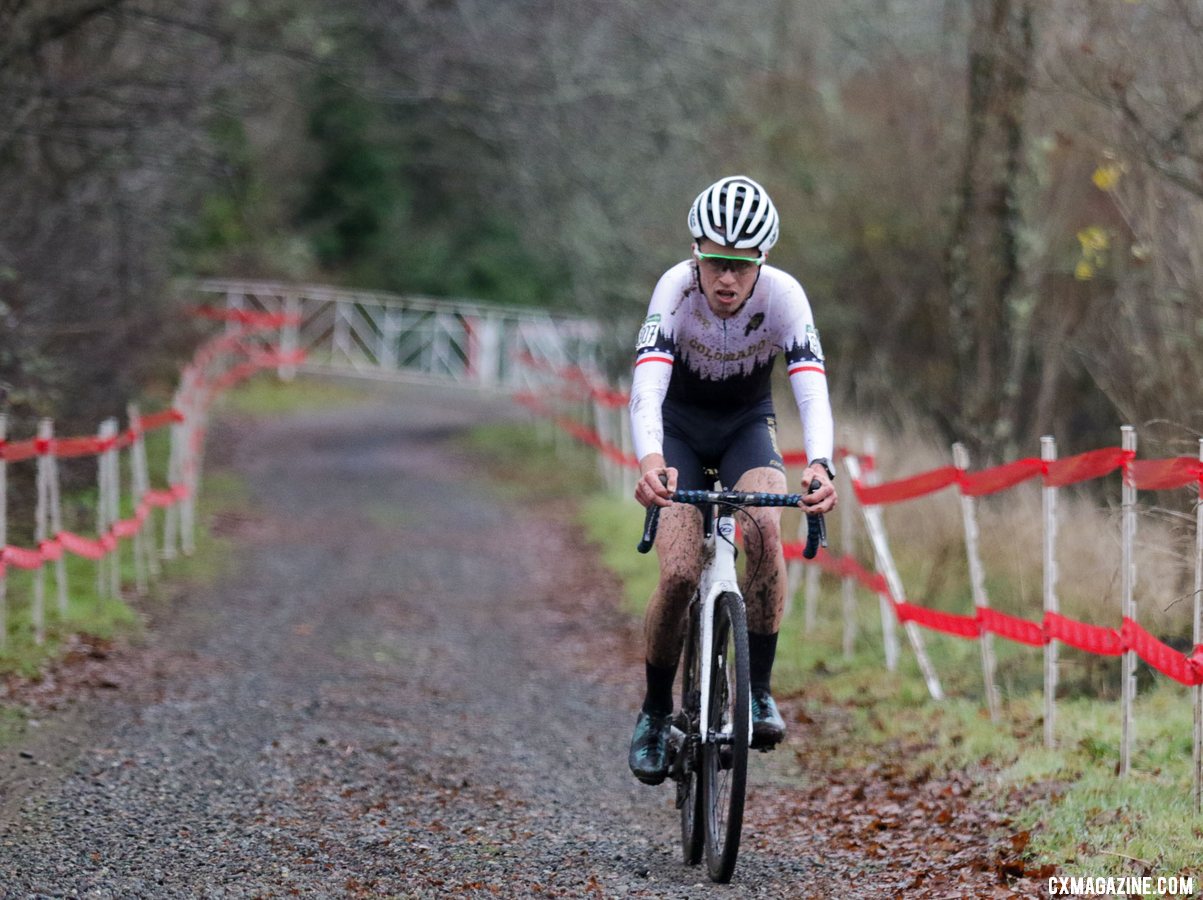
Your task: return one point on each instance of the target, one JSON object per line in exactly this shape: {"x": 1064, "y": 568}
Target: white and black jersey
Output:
{"x": 699, "y": 371}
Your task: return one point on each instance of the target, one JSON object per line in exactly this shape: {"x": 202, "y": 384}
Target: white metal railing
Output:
{"x": 380, "y": 335}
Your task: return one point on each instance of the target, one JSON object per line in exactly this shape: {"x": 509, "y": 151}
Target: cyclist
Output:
{"x": 701, "y": 398}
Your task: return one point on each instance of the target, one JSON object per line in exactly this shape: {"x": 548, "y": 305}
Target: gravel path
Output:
{"x": 405, "y": 686}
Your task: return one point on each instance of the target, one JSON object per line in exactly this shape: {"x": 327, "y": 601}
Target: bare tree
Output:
{"x": 983, "y": 256}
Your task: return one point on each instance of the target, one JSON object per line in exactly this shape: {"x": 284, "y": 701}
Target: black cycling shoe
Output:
{"x": 648, "y": 758}
{"x": 768, "y": 728}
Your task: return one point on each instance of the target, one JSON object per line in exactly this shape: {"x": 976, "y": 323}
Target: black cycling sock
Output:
{"x": 762, "y": 650}
{"x": 659, "y": 698}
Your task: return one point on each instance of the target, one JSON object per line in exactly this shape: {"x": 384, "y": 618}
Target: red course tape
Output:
{"x": 1163, "y": 474}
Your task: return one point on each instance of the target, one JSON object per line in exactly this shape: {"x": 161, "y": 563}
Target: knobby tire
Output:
{"x": 723, "y": 787}
{"x": 689, "y": 788}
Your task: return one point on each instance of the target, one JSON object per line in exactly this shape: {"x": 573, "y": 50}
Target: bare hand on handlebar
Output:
{"x": 657, "y": 483}
{"x": 818, "y": 500}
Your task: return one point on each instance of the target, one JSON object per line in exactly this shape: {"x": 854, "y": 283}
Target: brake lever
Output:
{"x": 651, "y": 522}
{"x": 816, "y": 528}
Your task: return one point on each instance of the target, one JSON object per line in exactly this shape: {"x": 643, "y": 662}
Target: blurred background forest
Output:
{"x": 996, "y": 206}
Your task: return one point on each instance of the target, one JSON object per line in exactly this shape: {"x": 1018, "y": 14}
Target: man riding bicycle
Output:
{"x": 701, "y": 399}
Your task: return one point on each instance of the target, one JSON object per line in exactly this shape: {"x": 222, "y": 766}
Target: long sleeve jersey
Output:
{"x": 687, "y": 355}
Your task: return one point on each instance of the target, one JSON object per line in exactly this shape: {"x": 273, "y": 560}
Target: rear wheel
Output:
{"x": 725, "y": 748}
{"x": 689, "y": 787}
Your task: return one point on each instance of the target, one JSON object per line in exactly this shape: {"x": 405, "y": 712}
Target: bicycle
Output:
{"x": 707, "y": 761}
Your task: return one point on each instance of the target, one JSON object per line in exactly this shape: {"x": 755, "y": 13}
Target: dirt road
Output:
{"x": 411, "y": 684}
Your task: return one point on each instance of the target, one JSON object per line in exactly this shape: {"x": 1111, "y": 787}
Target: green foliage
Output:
{"x": 355, "y": 198}
{"x": 368, "y": 199}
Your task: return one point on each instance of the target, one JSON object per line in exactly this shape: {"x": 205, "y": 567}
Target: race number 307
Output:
{"x": 647, "y": 334}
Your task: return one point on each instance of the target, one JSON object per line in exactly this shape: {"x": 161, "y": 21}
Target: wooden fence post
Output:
{"x": 977, "y": 581}
{"x": 1128, "y": 603}
{"x": 1048, "y": 496}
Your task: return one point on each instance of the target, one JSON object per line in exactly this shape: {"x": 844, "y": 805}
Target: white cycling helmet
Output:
{"x": 735, "y": 212}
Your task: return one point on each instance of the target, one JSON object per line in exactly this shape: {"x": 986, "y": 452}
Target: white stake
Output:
{"x": 977, "y": 581}
{"x": 102, "y": 511}
{"x": 888, "y": 633}
{"x": 41, "y": 532}
{"x": 1198, "y": 639}
{"x": 888, "y": 630}
{"x": 193, "y": 459}
{"x": 886, "y": 565}
{"x": 1127, "y": 588}
{"x": 137, "y": 492}
{"x": 848, "y": 583}
{"x": 3, "y": 535}
{"x": 171, "y": 515}
{"x": 793, "y": 572}
{"x": 601, "y": 424}
{"x": 112, "y": 458}
{"x": 56, "y": 527}
{"x": 1048, "y": 453}
{"x": 811, "y": 620}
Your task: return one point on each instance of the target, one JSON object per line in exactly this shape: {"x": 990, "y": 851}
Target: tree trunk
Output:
{"x": 983, "y": 253}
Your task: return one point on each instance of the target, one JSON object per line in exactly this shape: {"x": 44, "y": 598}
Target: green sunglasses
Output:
{"x": 721, "y": 262}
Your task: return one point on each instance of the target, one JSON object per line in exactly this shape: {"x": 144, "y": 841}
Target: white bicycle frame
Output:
{"x": 718, "y": 577}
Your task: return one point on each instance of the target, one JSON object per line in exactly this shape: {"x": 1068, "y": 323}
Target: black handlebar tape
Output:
{"x": 816, "y": 529}
{"x": 650, "y": 523}
{"x": 736, "y": 498}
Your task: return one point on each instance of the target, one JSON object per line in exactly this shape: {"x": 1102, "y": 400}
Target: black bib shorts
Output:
{"x": 696, "y": 440}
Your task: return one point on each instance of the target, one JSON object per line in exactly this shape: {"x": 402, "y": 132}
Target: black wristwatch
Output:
{"x": 826, "y": 464}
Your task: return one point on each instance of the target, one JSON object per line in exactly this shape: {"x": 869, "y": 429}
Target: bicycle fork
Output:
{"x": 718, "y": 577}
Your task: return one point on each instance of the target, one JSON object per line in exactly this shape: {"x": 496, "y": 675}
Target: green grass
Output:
{"x": 88, "y": 611}
{"x": 1082, "y": 817}
{"x": 615, "y": 525}
{"x": 266, "y": 395}
{"x": 521, "y": 462}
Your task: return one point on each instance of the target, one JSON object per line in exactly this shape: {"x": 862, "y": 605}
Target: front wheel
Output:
{"x": 689, "y": 787}
{"x": 725, "y": 748}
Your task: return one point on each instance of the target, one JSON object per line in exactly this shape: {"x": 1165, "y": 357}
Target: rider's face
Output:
{"x": 725, "y": 289}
